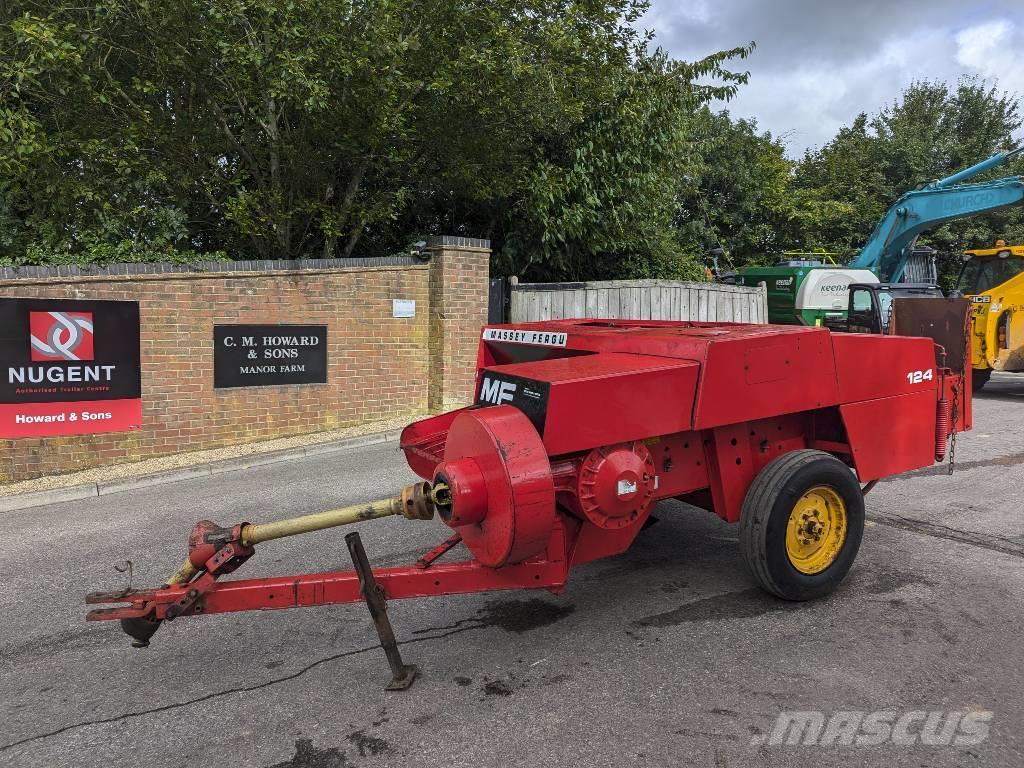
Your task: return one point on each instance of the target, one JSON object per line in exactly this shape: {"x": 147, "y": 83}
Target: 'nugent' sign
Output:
{"x": 263, "y": 355}
{"x": 69, "y": 367}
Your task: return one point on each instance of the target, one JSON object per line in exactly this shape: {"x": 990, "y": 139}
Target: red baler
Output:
{"x": 581, "y": 426}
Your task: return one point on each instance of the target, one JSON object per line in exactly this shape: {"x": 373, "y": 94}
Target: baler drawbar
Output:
{"x": 579, "y": 428}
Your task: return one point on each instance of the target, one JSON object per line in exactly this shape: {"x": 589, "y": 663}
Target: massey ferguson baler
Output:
{"x": 580, "y": 427}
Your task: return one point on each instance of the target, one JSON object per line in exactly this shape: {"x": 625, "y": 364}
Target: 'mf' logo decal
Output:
{"x": 497, "y": 392}
{"x": 61, "y": 336}
{"x": 527, "y": 395}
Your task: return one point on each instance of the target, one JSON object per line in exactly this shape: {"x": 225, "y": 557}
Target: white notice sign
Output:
{"x": 403, "y": 308}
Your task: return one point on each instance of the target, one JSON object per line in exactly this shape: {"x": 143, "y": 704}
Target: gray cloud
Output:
{"x": 818, "y": 64}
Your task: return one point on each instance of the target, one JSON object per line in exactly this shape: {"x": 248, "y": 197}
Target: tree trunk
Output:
{"x": 353, "y": 238}
{"x": 351, "y": 190}
{"x": 282, "y": 223}
{"x": 330, "y": 243}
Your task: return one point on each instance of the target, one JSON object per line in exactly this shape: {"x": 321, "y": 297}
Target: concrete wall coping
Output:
{"x": 451, "y": 241}
{"x": 217, "y": 268}
{"x": 243, "y": 268}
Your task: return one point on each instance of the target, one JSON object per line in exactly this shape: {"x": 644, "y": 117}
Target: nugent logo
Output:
{"x": 69, "y": 367}
{"x": 61, "y": 336}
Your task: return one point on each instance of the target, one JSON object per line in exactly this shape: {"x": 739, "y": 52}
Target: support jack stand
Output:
{"x": 402, "y": 675}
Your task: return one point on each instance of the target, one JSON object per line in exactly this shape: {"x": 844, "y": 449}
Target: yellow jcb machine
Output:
{"x": 993, "y": 279}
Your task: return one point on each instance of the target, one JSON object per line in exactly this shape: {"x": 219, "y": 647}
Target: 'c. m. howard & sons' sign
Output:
{"x": 264, "y": 355}
{"x": 69, "y": 367}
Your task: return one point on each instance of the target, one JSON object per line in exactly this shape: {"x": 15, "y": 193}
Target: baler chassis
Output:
{"x": 578, "y": 429}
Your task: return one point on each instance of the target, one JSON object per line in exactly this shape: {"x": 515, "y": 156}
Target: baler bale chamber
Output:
{"x": 580, "y": 427}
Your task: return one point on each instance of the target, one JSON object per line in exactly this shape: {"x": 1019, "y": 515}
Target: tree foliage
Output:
{"x": 842, "y": 189}
{"x": 179, "y": 129}
{"x": 745, "y": 196}
{"x": 134, "y": 128}
{"x": 737, "y": 195}
{"x": 610, "y": 189}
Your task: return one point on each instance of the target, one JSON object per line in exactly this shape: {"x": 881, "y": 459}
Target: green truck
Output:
{"x": 805, "y": 292}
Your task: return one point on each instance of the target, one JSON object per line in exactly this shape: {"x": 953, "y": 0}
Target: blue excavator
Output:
{"x": 808, "y": 292}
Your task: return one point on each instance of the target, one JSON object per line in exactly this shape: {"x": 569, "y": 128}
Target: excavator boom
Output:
{"x": 890, "y": 245}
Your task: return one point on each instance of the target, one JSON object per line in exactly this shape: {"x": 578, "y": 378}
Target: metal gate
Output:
{"x": 497, "y": 300}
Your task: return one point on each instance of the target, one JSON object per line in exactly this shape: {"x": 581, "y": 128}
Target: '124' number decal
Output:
{"x": 916, "y": 377}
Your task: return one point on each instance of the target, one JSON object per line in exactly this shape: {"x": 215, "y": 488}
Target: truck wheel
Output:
{"x": 980, "y": 377}
{"x": 801, "y": 524}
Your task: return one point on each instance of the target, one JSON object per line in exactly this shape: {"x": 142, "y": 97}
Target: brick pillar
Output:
{"x": 459, "y": 273}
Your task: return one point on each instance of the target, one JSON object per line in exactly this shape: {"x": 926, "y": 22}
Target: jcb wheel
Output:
{"x": 980, "y": 377}
{"x": 801, "y": 524}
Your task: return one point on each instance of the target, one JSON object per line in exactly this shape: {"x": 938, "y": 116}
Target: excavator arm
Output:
{"x": 890, "y": 245}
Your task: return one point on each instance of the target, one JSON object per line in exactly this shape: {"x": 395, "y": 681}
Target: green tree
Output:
{"x": 134, "y": 129}
{"x": 602, "y": 202}
{"x": 737, "y": 195}
{"x": 840, "y": 192}
{"x": 933, "y": 130}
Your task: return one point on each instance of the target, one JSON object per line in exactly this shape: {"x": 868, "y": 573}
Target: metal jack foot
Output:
{"x": 402, "y": 675}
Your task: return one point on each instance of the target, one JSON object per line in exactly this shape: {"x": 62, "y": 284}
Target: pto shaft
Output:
{"x": 416, "y": 502}
{"x": 318, "y": 521}
{"x": 250, "y": 534}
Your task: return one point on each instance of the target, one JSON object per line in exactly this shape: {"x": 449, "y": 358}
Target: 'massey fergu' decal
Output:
{"x": 538, "y": 338}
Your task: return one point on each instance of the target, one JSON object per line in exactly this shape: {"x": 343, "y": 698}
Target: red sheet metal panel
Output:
{"x": 423, "y": 442}
{"x": 602, "y": 399}
{"x": 892, "y": 434}
{"x": 681, "y": 463}
{"x": 870, "y": 367}
{"x": 732, "y": 469}
{"x": 689, "y": 340}
{"x": 749, "y": 377}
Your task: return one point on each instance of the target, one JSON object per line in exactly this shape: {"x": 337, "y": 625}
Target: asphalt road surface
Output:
{"x": 667, "y": 655}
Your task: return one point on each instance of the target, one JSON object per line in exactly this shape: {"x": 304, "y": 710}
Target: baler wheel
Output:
{"x": 801, "y": 524}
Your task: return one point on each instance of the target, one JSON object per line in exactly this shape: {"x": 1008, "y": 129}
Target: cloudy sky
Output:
{"x": 818, "y": 63}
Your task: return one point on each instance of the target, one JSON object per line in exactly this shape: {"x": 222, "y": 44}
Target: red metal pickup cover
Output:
{"x": 609, "y": 397}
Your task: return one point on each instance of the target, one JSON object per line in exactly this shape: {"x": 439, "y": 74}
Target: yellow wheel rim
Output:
{"x": 816, "y": 530}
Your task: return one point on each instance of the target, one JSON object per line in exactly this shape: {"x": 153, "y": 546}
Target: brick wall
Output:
{"x": 379, "y": 367}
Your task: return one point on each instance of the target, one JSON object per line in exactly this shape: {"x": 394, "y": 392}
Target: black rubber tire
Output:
{"x": 765, "y": 514}
{"x": 980, "y": 377}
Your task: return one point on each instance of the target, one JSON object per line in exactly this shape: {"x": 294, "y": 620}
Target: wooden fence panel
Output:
{"x": 638, "y": 300}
